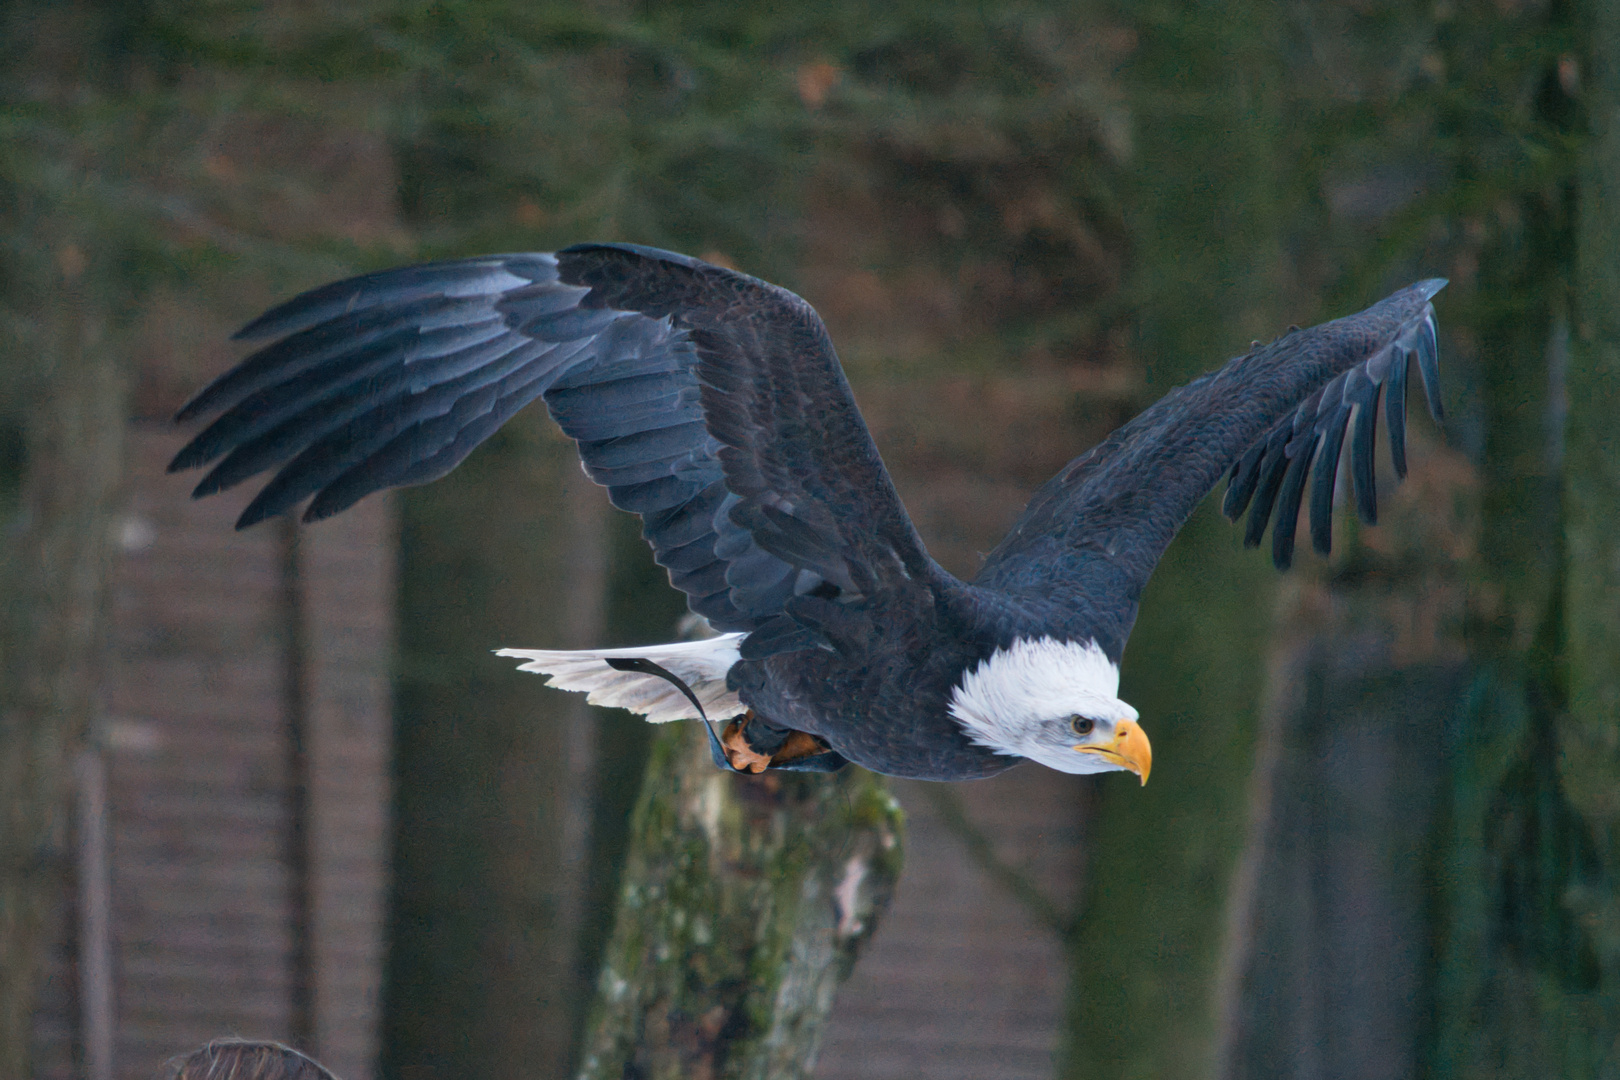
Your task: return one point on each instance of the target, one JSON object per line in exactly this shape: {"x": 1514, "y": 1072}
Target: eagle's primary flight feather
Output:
{"x": 713, "y": 405}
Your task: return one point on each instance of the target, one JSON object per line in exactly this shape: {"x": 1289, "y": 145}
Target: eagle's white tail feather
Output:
{"x": 702, "y": 665}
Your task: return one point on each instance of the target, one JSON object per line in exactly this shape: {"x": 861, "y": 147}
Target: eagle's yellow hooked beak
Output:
{"x": 1129, "y": 749}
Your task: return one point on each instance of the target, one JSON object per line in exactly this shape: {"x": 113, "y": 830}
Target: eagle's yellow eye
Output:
{"x": 1082, "y": 725}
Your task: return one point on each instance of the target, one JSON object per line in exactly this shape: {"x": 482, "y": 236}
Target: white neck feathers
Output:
{"x": 1002, "y": 702}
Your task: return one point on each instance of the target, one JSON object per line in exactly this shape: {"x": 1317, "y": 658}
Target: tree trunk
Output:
{"x": 61, "y": 431}
{"x": 1516, "y": 983}
{"x": 493, "y": 769}
{"x": 1505, "y": 965}
{"x": 1160, "y": 858}
{"x": 744, "y": 902}
{"x": 52, "y": 575}
{"x": 1589, "y": 732}
{"x": 1325, "y": 971}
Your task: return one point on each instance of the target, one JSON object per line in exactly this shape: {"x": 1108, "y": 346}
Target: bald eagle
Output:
{"x": 713, "y": 405}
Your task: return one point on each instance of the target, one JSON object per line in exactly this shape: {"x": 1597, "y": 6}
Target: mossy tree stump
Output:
{"x": 745, "y": 900}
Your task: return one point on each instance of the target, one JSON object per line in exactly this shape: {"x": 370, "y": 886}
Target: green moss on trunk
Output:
{"x": 744, "y": 902}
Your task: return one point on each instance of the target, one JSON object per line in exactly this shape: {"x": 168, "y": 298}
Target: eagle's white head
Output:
{"x": 1052, "y": 701}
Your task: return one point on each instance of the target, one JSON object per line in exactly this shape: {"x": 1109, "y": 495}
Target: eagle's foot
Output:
{"x": 744, "y": 756}
{"x": 798, "y": 746}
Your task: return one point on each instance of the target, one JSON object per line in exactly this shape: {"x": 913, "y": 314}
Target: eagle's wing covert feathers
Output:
{"x": 708, "y": 402}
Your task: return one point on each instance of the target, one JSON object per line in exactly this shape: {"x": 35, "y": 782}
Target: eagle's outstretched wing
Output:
{"x": 1093, "y": 534}
{"x": 708, "y": 402}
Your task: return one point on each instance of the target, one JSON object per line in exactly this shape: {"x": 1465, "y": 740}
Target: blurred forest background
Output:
{"x": 1383, "y": 835}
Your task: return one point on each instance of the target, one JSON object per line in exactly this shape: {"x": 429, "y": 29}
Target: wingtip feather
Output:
{"x": 1324, "y": 479}
{"x": 1395, "y": 411}
{"x": 1363, "y": 440}
{"x": 185, "y": 459}
{"x": 254, "y": 514}
{"x": 1286, "y": 523}
{"x": 1428, "y": 354}
{"x": 1428, "y": 287}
